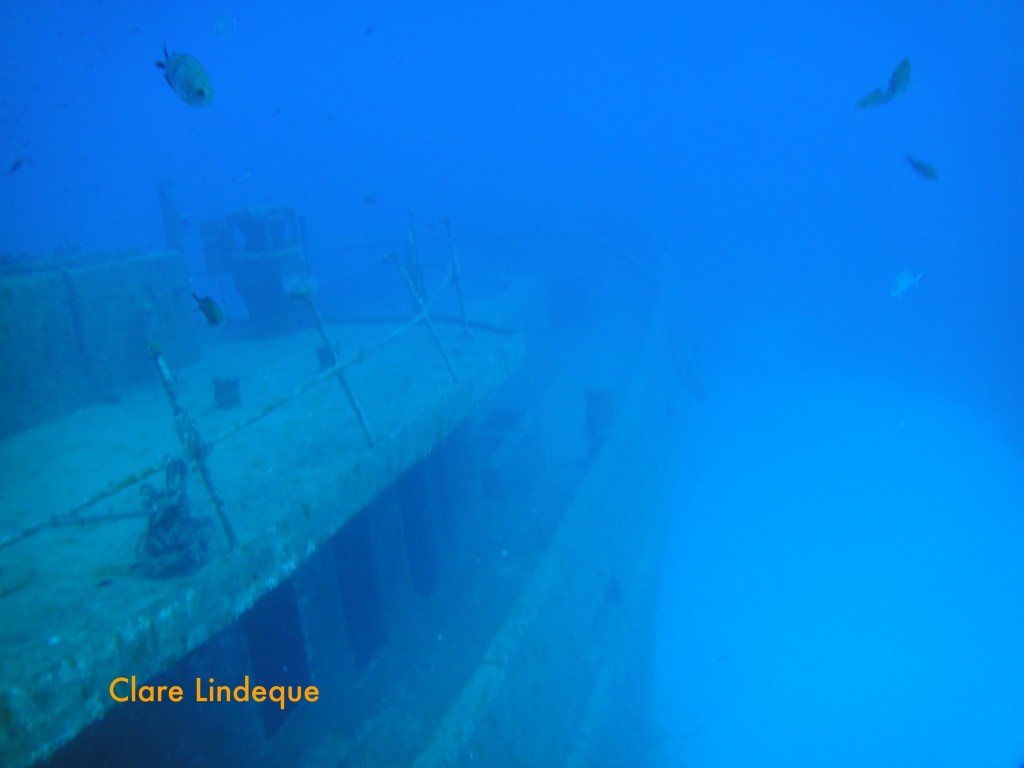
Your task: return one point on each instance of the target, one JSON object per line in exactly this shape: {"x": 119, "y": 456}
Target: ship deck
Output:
{"x": 78, "y": 610}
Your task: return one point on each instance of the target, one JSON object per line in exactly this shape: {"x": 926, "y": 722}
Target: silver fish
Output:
{"x": 904, "y": 281}
{"x": 187, "y": 78}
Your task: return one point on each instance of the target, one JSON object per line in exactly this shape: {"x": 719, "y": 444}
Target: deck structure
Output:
{"x": 452, "y": 529}
{"x": 78, "y": 613}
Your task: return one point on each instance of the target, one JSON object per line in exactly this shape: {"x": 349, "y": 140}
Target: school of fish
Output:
{"x": 189, "y": 81}
{"x": 897, "y": 84}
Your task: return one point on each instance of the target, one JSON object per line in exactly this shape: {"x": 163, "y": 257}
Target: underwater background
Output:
{"x": 844, "y": 582}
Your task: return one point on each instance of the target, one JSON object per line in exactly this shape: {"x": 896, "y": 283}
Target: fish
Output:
{"x": 922, "y": 169}
{"x": 898, "y": 82}
{"x": 899, "y": 79}
{"x": 211, "y": 310}
{"x": 903, "y": 282}
{"x": 187, "y": 78}
{"x": 873, "y": 99}
{"x": 18, "y": 163}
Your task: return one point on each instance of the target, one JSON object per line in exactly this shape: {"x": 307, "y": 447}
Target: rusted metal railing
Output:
{"x": 195, "y": 449}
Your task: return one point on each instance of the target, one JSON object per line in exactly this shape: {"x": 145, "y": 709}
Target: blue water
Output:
{"x": 845, "y": 583}
{"x": 843, "y": 586}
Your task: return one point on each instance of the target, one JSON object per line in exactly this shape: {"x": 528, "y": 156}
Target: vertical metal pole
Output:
{"x": 456, "y": 275}
{"x": 349, "y": 394}
{"x": 416, "y": 263}
{"x": 191, "y": 441}
{"x": 425, "y": 318}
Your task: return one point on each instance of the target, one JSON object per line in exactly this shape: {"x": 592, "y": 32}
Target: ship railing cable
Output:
{"x": 195, "y": 449}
